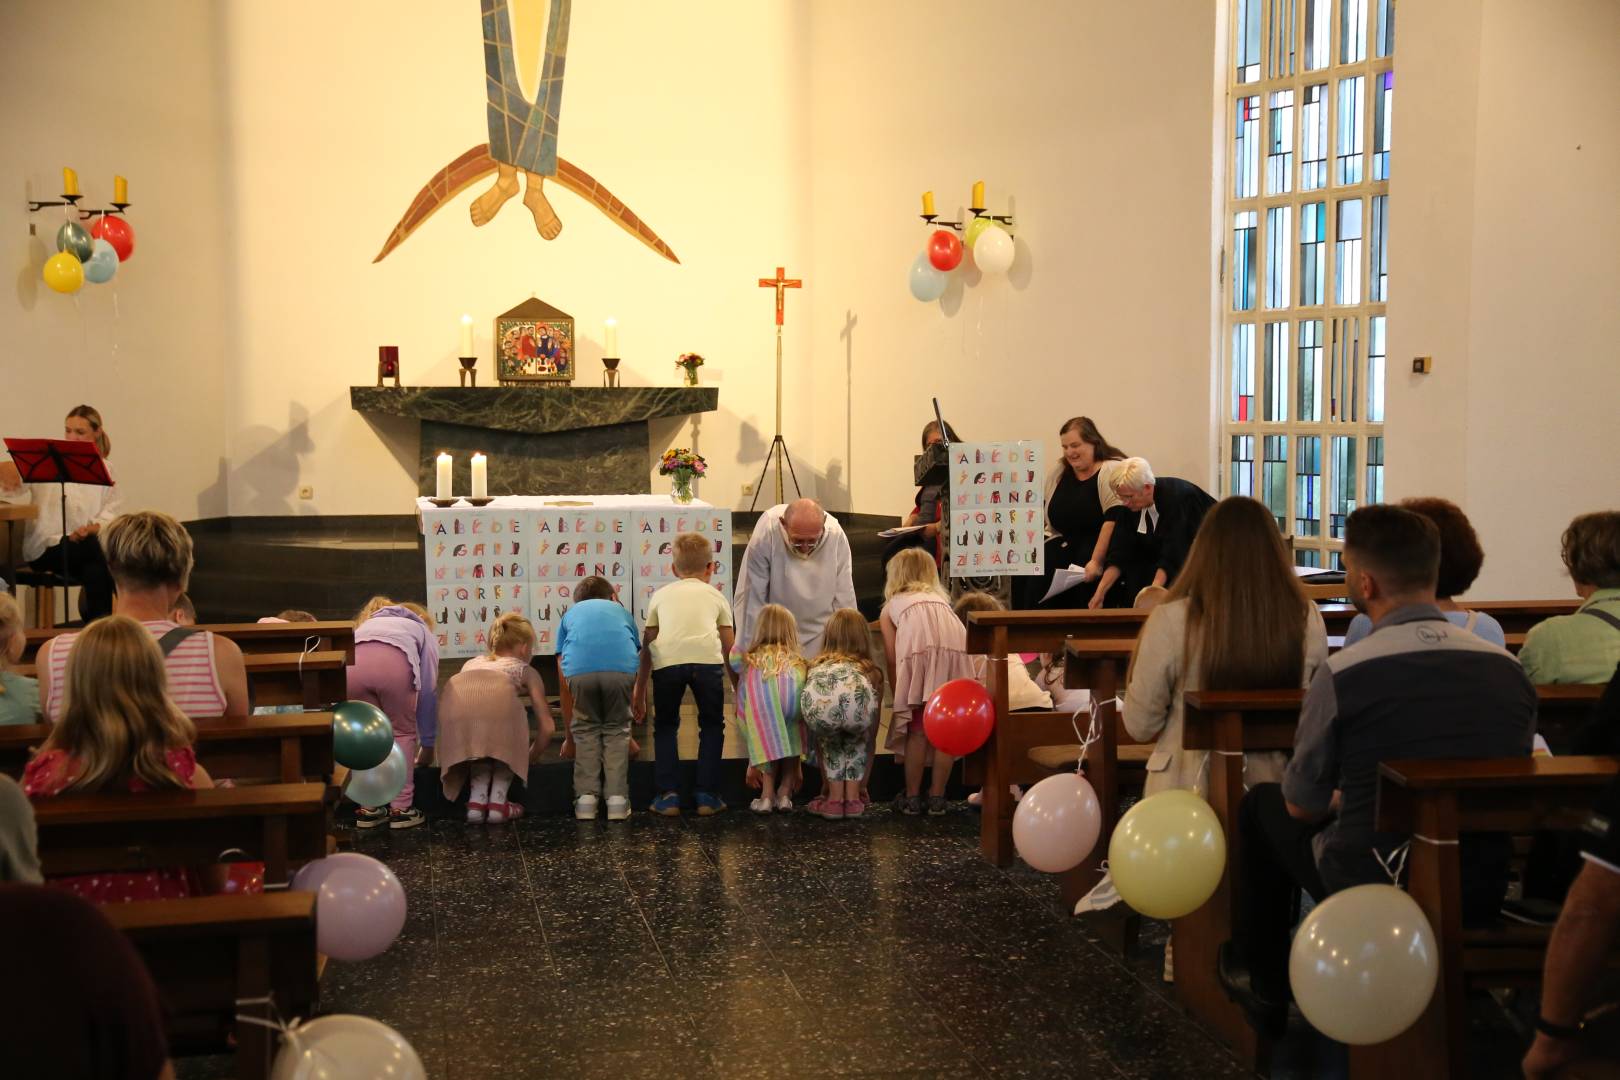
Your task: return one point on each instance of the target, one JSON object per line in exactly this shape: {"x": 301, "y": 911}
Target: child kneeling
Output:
{"x": 769, "y": 676}
{"x": 598, "y": 652}
{"x": 842, "y": 696}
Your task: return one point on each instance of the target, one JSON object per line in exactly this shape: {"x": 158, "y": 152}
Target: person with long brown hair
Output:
{"x": 1079, "y": 495}
{"x": 49, "y": 537}
{"x": 840, "y": 703}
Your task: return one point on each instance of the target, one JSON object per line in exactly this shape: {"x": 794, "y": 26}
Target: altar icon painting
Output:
{"x": 534, "y": 342}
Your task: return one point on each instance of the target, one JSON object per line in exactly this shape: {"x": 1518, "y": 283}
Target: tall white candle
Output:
{"x": 443, "y": 484}
{"x": 466, "y": 336}
{"x": 610, "y": 338}
{"x": 480, "y": 477}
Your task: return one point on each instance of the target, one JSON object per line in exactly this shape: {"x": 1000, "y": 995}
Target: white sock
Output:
{"x": 478, "y": 790}
{"x": 499, "y": 782}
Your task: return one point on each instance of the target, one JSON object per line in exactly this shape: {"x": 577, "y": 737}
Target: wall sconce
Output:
{"x": 82, "y": 254}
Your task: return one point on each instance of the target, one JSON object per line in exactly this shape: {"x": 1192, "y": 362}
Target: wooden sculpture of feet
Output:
{"x": 546, "y": 221}
{"x": 486, "y": 206}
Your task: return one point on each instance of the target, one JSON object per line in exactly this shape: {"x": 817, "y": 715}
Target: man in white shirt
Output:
{"x": 798, "y": 557}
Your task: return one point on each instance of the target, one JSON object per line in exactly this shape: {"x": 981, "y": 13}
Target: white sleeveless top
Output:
{"x": 193, "y": 679}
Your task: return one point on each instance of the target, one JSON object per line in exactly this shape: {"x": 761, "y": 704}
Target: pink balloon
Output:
{"x": 1057, "y": 823}
{"x": 359, "y": 904}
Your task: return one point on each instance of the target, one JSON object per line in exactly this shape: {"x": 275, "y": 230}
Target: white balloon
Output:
{"x": 344, "y": 1047}
{"x": 1057, "y": 823}
{"x": 1364, "y": 964}
{"x": 993, "y": 253}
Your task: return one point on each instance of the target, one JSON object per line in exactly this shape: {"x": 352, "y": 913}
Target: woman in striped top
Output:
{"x": 770, "y": 675}
{"x": 150, "y": 557}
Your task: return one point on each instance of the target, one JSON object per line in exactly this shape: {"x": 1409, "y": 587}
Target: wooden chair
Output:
{"x": 285, "y": 747}
{"x": 214, "y": 957}
{"x": 307, "y": 680}
{"x": 250, "y": 637}
{"x": 1438, "y": 801}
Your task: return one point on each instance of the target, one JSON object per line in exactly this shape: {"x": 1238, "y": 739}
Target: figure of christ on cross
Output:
{"x": 778, "y": 448}
{"x": 779, "y": 282}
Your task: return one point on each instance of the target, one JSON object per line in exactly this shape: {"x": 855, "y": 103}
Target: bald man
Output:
{"x": 798, "y": 557}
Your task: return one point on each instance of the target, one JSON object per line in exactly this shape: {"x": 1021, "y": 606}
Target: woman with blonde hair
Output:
{"x": 19, "y": 695}
{"x": 485, "y": 742}
{"x": 840, "y": 702}
{"x": 119, "y": 731}
{"x": 396, "y": 668}
{"x": 770, "y": 674}
{"x": 925, "y": 647}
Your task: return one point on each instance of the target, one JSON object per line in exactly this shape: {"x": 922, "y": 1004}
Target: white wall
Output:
{"x": 1505, "y": 267}
{"x": 149, "y": 348}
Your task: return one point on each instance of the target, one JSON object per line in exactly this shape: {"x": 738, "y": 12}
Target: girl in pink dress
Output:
{"x": 120, "y": 731}
{"x": 925, "y": 645}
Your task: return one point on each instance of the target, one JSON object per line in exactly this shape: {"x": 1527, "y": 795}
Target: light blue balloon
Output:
{"x": 377, "y": 787}
{"x": 927, "y": 283}
{"x": 102, "y": 263}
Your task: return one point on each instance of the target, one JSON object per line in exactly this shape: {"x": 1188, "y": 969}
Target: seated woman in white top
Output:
{"x": 89, "y": 507}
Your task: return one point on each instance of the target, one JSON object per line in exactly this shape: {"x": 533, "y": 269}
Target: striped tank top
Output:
{"x": 193, "y": 681}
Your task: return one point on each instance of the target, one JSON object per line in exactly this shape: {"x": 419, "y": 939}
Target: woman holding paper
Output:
{"x": 89, "y": 507}
{"x": 1078, "y": 496}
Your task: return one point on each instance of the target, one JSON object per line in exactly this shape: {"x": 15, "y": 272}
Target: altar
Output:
{"x": 526, "y": 553}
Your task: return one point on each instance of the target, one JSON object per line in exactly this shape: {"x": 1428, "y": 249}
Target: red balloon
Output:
{"x": 117, "y": 232}
{"x": 959, "y": 717}
{"x": 944, "y": 250}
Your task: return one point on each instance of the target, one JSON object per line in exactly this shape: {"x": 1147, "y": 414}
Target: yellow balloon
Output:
{"x": 64, "y": 273}
{"x": 1167, "y": 854}
{"x": 975, "y": 229}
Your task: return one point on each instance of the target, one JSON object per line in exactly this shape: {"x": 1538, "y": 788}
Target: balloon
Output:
{"x": 103, "y": 263}
{"x": 1057, "y": 822}
{"x": 361, "y": 735}
{"x": 346, "y": 1047}
{"x": 958, "y": 718}
{"x": 975, "y": 230}
{"x": 72, "y": 239}
{"x": 64, "y": 272}
{"x": 1364, "y": 964}
{"x": 1167, "y": 854}
{"x": 927, "y": 284}
{"x": 378, "y": 786}
{"x": 117, "y": 232}
{"x": 359, "y": 904}
{"x": 994, "y": 251}
{"x": 944, "y": 250}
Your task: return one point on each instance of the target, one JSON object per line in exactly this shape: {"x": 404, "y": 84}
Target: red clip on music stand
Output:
{"x": 64, "y": 462}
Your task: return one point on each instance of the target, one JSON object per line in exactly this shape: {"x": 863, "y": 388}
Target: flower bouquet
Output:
{"x": 689, "y": 363}
{"x": 681, "y": 466}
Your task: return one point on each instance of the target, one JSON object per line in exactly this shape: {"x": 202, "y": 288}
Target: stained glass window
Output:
{"x": 1344, "y": 483}
{"x": 1309, "y": 400}
{"x": 1274, "y": 478}
{"x": 1243, "y": 372}
{"x": 1307, "y": 557}
{"x": 1308, "y": 486}
{"x": 1280, "y": 143}
{"x": 1280, "y": 39}
{"x": 1313, "y": 138}
{"x": 1276, "y": 403}
{"x": 1279, "y": 242}
{"x": 1246, "y": 16}
{"x": 1352, "y": 31}
{"x": 1312, "y": 253}
{"x": 1318, "y": 14}
{"x": 1347, "y": 253}
{"x": 1375, "y": 369}
{"x": 1378, "y": 251}
{"x": 1242, "y": 465}
{"x": 1344, "y": 355}
{"x": 1383, "y": 102}
{"x": 1243, "y": 230}
{"x": 1246, "y": 150}
{"x": 1375, "y": 469}
{"x": 1386, "y": 28}
{"x": 1351, "y": 141}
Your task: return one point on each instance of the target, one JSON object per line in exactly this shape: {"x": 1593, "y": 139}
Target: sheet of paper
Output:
{"x": 1064, "y": 580}
{"x": 901, "y": 530}
{"x": 1313, "y": 571}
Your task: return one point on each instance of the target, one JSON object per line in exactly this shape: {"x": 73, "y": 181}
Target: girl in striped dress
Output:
{"x": 769, "y": 675}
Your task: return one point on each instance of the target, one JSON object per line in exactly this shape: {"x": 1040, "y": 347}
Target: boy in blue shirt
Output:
{"x": 599, "y": 653}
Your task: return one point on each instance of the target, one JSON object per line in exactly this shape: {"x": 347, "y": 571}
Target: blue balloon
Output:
{"x": 377, "y": 787}
{"x": 927, "y": 283}
{"x": 102, "y": 263}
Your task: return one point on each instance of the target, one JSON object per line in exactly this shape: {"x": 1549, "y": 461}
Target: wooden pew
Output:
{"x": 285, "y": 825}
{"x": 308, "y": 680}
{"x": 251, "y": 637}
{"x": 1440, "y": 800}
{"x": 209, "y": 953}
{"x": 285, "y": 747}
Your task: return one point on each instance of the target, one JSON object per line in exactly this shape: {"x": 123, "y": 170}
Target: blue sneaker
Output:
{"x": 668, "y": 804}
{"x": 709, "y": 805}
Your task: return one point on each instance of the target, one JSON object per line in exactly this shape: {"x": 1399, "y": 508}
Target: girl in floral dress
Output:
{"x": 770, "y": 674}
{"x": 842, "y": 696}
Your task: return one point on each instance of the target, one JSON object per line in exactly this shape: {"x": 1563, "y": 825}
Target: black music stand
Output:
{"x": 64, "y": 462}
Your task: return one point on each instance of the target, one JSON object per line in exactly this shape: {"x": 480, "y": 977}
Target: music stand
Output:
{"x": 64, "y": 462}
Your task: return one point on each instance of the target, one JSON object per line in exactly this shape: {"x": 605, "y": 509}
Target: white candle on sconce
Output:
{"x": 442, "y": 485}
{"x": 466, "y": 336}
{"x": 480, "y": 476}
{"x": 610, "y": 338}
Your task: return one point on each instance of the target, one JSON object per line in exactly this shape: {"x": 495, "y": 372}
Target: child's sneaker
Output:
{"x": 667, "y": 805}
{"x": 369, "y": 817}
{"x": 761, "y": 805}
{"x": 500, "y": 812}
{"x": 784, "y": 802}
{"x": 937, "y": 806}
{"x": 909, "y": 805}
{"x": 477, "y": 812}
{"x": 405, "y": 819}
{"x": 853, "y": 808}
{"x": 708, "y": 805}
{"x": 618, "y": 808}
{"x": 585, "y": 808}
{"x": 831, "y": 809}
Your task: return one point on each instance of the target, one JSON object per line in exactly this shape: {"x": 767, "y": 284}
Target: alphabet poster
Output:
{"x": 998, "y": 509}
{"x": 528, "y": 554}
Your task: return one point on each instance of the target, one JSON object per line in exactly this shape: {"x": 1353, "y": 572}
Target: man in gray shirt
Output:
{"x": 1416, "y": 687}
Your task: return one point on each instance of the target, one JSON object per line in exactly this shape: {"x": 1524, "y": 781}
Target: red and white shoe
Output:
{"x": 477, "y": 812}
{"x": 505, "y": 811}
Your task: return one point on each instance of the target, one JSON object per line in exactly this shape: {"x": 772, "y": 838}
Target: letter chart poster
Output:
{"x": 478, "y": 567}
{"x": 654, "y": 531}
{"x": 998, "y": 513}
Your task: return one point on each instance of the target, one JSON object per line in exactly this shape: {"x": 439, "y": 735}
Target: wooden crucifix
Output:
{"x": 780, "y": 283}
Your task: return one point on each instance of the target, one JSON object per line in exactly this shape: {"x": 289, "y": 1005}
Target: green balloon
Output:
{"x": 976, "y": 229}
{"x": 361, "y": 735}
{"x": 73, "y": 239}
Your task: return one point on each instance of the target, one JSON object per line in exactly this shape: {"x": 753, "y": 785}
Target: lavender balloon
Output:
{"x": 359, "y": 905}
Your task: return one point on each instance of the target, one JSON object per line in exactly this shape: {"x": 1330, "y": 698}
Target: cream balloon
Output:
{"x": 1056, "y": 823}
{"x": 1167, "y": 854}
{"x": 1364, "y": 964}
{"x": 993, "y": 251}
{"x": 344, "y": 1047}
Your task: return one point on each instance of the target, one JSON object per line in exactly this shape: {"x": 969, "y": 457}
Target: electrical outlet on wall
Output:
{"x": 306, "y": 492}
{"x": 748, "y": 487}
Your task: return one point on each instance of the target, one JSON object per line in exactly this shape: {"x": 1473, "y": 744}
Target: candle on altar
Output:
{"x": 978, "y": 195}
{"x": 120, "y": 189}
{"x": 928, "y": 204}
{"x": 610, "y": 338}
{"x": 480, "y": 476}
{"x": 442, "y": 486}
{"x": 70, "y": 182}
{"x": 466, "y": 336}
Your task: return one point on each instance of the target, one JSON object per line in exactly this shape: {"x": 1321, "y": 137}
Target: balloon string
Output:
{"x": 1093, "y": 731}
{"x": 1395, "y": 864}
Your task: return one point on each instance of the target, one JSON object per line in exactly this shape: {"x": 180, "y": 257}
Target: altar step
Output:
{"x": 330, "y": 565}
